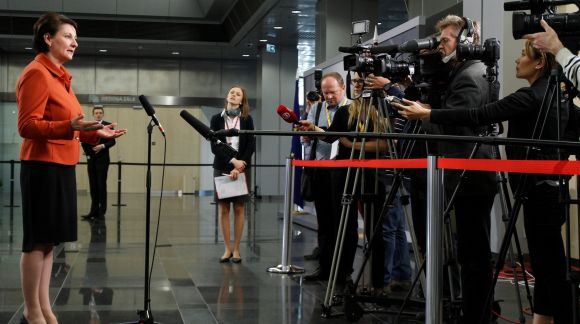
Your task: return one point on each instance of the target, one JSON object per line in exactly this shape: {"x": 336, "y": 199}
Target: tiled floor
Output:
{"x": 99, "y": 279}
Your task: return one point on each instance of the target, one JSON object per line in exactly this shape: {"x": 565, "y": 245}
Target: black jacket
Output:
{"x": 103, "y": 155}
{"x": 466, "y": 88}
{"x": 521, "y": 110}
{"x": 221, "y": 159}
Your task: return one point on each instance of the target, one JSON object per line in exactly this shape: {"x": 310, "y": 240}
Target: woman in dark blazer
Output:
{"x": 544, "y": 215}
{"x": 236, "y": 114}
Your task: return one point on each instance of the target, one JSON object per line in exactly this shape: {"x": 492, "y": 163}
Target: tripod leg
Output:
{"x": 506, "y": 206}
{"x": 420, "y": 271}
{"x": 510, "y": 229}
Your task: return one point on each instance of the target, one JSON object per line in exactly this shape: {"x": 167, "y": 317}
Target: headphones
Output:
{"x": 467, "y": 32}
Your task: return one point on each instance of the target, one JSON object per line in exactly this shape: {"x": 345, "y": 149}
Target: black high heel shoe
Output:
{"x": 226, "y": 259}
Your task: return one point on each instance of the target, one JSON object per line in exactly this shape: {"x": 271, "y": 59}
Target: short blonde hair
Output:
{"x": 334, "y": 75}
{"x": 459, "y": 23}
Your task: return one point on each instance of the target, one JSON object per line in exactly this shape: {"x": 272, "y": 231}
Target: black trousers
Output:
{"x": 472, "y": 215}
{"x": 350, "y": 243}
{"x": 324, "y": 216}
{"x": 98, "y": 169}
{"x": 543, "y": 220}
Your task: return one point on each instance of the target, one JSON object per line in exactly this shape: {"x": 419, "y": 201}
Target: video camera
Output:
{"x": 488, "y": 53}
{"x": 565, "y": 25}
{"x": 367, "y": 59}
{"x": 380, "y": 60}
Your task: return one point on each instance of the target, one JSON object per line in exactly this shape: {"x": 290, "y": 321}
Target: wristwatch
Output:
{"x": 387, "y": 86}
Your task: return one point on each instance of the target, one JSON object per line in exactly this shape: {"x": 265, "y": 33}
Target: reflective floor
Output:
{"x": 100, "y": 278}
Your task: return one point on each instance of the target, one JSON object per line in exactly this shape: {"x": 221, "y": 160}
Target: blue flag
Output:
{"x": 297, "y": 150}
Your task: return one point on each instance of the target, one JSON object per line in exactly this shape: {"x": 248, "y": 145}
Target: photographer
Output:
{"x": 322, "y": 114}
{"x": 466, "y": 87}
{"x": 548, "y": 41}
{"x": 543, "y": 214}
{"x": 345, "y": 120}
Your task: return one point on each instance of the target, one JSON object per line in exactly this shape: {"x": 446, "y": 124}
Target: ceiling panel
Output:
{"x": 35, "y": 5}
{"x": 186, "y": 9}
{"x": 107, "y": 7}
{"x": 143, "y": 28}
{"x": 154, "y": 8}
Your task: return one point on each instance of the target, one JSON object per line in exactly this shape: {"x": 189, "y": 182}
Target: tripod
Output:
{"x": 352, "y": 310}
{"x": 524, "y": 184}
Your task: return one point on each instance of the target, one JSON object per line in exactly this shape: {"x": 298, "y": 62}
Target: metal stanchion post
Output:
{"x": 434, "y": 291}
{"x": 119, "y": 181}
{"x": 12, "y": 179}
{"x": 285, "y": 266}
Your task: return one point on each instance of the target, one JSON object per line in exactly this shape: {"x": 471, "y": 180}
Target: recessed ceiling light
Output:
{"x": 246, "y": 55}
{"x": 103, "y": 50}
{"x": 263, "y": 40}
{"x": 278, "y": 27}
{"x": 28, "y": 48}
{"x": 296, "y": 11}
{"x": 175, "y": 53}
{"x": 379, "y": 23}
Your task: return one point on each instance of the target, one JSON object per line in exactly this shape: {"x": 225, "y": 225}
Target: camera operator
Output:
{"x": 466, "y": 87}
{"x": 543, "y": 214}
{"x": 548, "y": 41}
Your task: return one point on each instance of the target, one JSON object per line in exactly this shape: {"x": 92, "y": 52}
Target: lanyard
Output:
{"x": 235, "y": 121}
{"x": 342, "y": 103}
{"x": 227, "y": 124}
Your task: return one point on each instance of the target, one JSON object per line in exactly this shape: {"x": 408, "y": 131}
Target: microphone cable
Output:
{"x": 158, "y": 219}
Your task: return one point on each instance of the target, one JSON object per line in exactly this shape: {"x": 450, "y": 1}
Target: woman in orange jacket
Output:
{"x": 51, "y": 123}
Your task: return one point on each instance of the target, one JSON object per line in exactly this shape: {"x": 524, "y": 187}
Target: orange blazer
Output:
{"x": 46, "y": 105}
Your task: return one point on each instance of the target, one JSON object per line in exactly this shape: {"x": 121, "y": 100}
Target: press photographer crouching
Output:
{"x": 544, "y": 215}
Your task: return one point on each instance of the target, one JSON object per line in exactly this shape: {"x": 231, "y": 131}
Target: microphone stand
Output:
{"x": 145, "y": 315}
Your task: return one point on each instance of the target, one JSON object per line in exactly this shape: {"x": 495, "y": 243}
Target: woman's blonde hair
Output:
{"x": 244, "y": 105}
{"x": 536, "y": 54}
{"x": 377, "y": 122}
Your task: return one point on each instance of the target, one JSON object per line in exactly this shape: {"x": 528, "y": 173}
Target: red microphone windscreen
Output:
{"x": 288, "y": 115}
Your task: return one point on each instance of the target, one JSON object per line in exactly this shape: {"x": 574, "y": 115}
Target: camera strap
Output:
{"x": 317, "y": 115}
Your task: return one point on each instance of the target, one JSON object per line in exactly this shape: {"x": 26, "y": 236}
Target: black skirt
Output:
{"x": 49, "y": 203}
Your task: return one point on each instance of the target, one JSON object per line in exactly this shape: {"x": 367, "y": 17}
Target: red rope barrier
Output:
{"x": 518, "y": 166}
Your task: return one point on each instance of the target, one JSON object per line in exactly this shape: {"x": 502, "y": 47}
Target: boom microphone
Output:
{"x": 288, "y": 115}
{"x": 208, "y": 134}
{"x": 384, "y": 49}
{"x": 418, "y": 44}
{"x": 373, "y": 50}
{"x": 151, "y": 112}
{"x": 200, "y": 127}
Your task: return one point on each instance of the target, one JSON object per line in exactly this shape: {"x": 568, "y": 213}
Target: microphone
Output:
{"x": 418, "y": 44}
{"x": 208, "y": 134}
{"x": 351, "y": 50}
{"x": 373, "y": 50}
{"x": 200, "y": 127}
{"x": 151, "y": 113}
{"x": 384, "y": 49}
{"x": 288, "y": 115}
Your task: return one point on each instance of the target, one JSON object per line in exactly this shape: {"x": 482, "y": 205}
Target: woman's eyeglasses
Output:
{"x": 358, "y": 81}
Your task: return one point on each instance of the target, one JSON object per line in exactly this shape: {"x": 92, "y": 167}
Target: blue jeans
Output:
{"x": 397, "y": 260}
